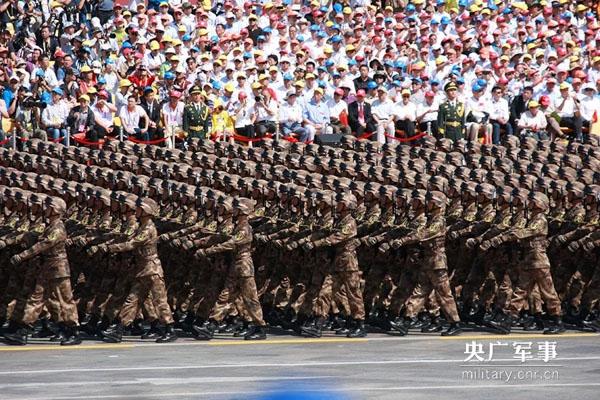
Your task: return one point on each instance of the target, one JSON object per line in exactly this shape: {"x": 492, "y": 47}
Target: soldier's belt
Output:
{"x": 196, "y": 128}
{"x": 453, "y": 123}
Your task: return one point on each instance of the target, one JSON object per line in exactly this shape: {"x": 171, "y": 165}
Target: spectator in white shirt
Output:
{"x": 103, "y": 114}
{"x": 338, "y": 107}
{"x": 533, "y": 122}
{"x": 499, "y": 115}
{"x": 291, "y": 117}
{"x": 383, "y": 113}
{"x": 405, "y": 114}
{"x": 477, "y": 110}
{"x": 172, "y": 115}
{"x": 590, "y": 106}
{"x": 242, "y": 113}
{"x": 54, "y": 116}
{"x": 567, "y": 108}
{"x": 131, "y": 116}
{"x": 427, "y": 112}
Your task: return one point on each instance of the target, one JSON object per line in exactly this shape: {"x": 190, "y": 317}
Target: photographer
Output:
{"x": 26, "y": 114}
{"x": 54, "y": 116}
{"x": 265, "y": 111}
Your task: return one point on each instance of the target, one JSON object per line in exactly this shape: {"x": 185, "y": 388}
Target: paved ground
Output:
{"x": 378, "y": 367}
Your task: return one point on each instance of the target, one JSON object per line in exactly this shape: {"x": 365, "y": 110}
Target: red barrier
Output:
{"x": 57, "y": 140}
{"x": 5, "y": 141}
{"x": 80, "y": 139}
{"x": 157, "y": 141}
{"x": 365, "y": 135}
{"x": 407, "y": 140}
{"x": 245, "y": 139}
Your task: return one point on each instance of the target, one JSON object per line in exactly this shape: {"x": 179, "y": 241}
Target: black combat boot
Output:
{"x": 533, "y": 323}
{"x": 233, "y": 325}
{"x": 186, "y": 325}
{"x": 358, "y": 331}
{"x": 137, "y": 327}
{"x": 257, "y": 333}
{"x": 113, "y": 334}
{"x": 206, "y": 331}
{"x": 46, "y": 330}
{"x": 590, "y": 320}
{"x": 454, "y": 329}
{"x": 556, "y": 326}
{"x": 502, "y": 324}
{"x": 337, "y": 322}
{"x": 436, "y": 325}
{"x": 314, "y": 330}
{"x": 17, "y": 338}
{"x": 343, "y": 331}
{"x": 169, "y": 335}
{"x": 60, "y": 333}
{"x": 91, "y": 326}
{"x": 154, "y": 332}
{"x": 242, "y": 329}
{"x": 72, "y": 337}
{"x": 400, "y": 325}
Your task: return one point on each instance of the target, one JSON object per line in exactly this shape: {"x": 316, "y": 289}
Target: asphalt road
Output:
{"x": 378, "y": 367}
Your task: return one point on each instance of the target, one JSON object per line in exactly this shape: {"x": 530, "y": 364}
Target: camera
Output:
{"x": 32, "y": 103}
{"x": 258, "y": 99}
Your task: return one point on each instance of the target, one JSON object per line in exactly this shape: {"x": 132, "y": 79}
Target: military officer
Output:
{"x": 451, "y": 115}
{"x": 196, "y": 118}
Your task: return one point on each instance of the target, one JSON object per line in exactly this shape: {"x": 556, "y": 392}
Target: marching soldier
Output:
{"x": 346, "y": 275}
{"x": 54, "y": 278}
{"x": 535, "y": 268}
{"x": 149, "y": 275}
{"x": 451, "y": 115}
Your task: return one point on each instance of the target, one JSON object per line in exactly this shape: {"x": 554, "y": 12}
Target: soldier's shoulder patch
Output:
{"x": 346, "y": 229}
{"x": 212, "y": 226}
{"x": 227, "y": 229}
{"x": 142, "y": 236}
{"x": 240, "y": 235}
{"x": 53, "y": 236}
{"x": 260, "y": 212}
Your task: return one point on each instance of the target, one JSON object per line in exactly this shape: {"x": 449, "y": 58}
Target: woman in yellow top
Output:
{"x": 222, "y": 123}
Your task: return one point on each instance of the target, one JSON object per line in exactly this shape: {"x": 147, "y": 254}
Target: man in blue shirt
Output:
{"x": 316, "y": 116}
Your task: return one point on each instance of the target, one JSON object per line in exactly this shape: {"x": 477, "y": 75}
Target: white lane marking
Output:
{"x": 164, "y": 381}
{"x": 163, "y": 368}
{"x": 317, "y": 390}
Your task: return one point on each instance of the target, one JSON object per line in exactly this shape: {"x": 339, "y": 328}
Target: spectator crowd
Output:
{"x": 173, "y": 71}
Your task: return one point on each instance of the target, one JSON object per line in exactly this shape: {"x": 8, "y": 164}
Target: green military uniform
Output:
{"x": 451, "y": 117}
{"x": 196, "y": 118}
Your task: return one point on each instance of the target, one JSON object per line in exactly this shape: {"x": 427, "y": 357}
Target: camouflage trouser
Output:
{"x": 428, "y": 280}
{"x": 350, "y": 281}
{"x": 25, "y": 281}
{"x": 591, "y": 296}
{"x": 62, "y": 306}
{"x": 404, "y": 287}
{"x": 374, "y": 285}
{"x": 528, "y": 278}
{"x": 209, "y": 286}
{"x": 245, "y": 288}
{"x": 141, "y": 288}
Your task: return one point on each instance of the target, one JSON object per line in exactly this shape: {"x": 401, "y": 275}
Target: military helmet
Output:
{"x": 486, "y": 190}
{"x": 56, "y": 204}
{"x": 348, "y": 199}
{"x": 538, "y": 200}
{"x": 148, "y": 206}
{"x": 244, "y": 205}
